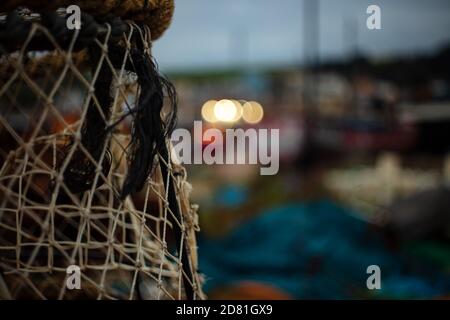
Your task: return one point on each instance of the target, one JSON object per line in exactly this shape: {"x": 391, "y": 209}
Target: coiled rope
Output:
{"x": 156, "y": 14}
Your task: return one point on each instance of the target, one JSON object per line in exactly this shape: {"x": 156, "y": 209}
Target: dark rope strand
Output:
{"x": 80, "y": 173}
{"x": 178, "y": 233}
{"x": 150, "y": 128}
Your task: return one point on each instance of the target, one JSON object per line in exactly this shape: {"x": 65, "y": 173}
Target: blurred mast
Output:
{"x": 311, "y": 57}
{"x": 239, "y": 48}
{"x": 351, "y": 36}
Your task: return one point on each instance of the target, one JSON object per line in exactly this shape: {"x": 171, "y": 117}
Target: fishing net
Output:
{"x": 86, "y": 177}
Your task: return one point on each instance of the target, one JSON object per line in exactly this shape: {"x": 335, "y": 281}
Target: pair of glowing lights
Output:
{"x": 232, "y": 111}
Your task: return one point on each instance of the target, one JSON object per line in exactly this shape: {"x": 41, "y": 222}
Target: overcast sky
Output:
{"x": 225, "y": 33}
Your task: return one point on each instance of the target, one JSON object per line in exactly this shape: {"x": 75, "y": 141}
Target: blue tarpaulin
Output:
{"x": 316, "y": 250}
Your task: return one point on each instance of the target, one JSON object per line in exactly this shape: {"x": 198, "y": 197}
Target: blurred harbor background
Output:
{"x": 364, "y": 119}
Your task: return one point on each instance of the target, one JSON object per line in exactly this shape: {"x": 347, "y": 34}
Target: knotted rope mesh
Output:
{"x": 86, "y": 175}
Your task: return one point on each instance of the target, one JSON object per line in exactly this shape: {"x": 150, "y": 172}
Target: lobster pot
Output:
{"x": 91, "y": 203}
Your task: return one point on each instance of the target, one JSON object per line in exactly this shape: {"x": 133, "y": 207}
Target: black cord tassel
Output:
{"x": 150, "y": 128}
{"x": 148, "y": 137}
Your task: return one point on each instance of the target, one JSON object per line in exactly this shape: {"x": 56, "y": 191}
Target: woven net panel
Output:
{"x": 86, "y": 174}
